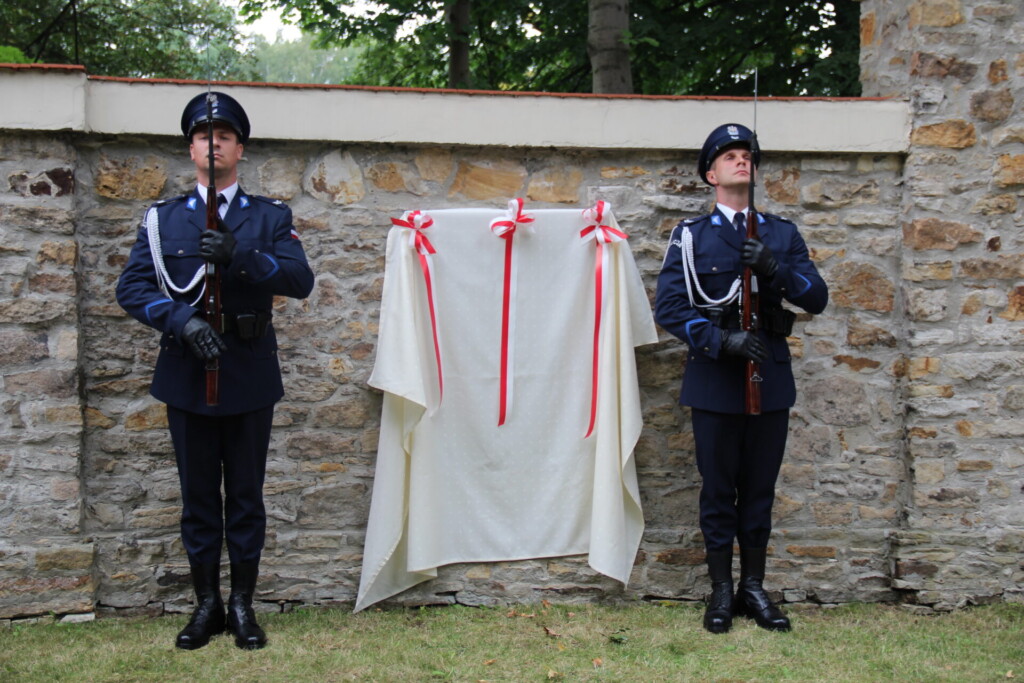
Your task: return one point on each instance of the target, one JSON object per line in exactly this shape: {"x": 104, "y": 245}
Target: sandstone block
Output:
{"x": 928, "y": 65}
{"x": 783, "y": 186}
{"x": 77, "y": 557}
{"x": 832, "y": 514}
{"x": 861, "y": 286}
{"x": 681, "y": 556}
{"x": 937, "y": 13}
{"x": 1007, "y": 267}
{"x": 396, "y": 177}
{"x": 992, "y": 106}
{"x": 833, "y": 193}
{"x": 151, "y": 417}
{"x": 130, "y": 178}
{"x": 935, "y": 233}
{"x": 867, "y": 29}
{"x": 434, "y": 164}
{"x": 860, "y": 333}
{"x": 556, "y": 185}
{"x": 956, "y": 134}
{"x": 1010, "y": 170}
{"x": 1014, "y": 305}
{"x": 487, "y": 180}
{"x": 42, "y": 383}
{"x": 922, "y": 272}
{"x": 824, "y": 552}
{"x": 997, "y": 72}
{"x": 838, "y": 400}
{"x": 996, "y": 204}
{"x": 335, "y": 178}
{"x": 281, "y": 177}
{"x": 20, "y": 346}
{"x": 928, "y": 305}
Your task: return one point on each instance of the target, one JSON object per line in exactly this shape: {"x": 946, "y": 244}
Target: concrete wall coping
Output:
{"x": 61, "y": 97}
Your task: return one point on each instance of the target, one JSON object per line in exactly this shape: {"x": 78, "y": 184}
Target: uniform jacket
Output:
{"x": 712, "y": 380}
{"x": 268, "y": 261}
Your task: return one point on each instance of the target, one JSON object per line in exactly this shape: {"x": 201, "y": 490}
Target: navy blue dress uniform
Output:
{"x": 738, "y": 455}
{"x": 227, "y": 442}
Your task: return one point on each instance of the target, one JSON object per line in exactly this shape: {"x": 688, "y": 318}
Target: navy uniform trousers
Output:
{"x": 226, "y": 443}
{"x": 738, "y": 455}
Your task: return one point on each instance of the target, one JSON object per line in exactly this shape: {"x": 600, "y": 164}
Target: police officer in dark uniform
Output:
{"x": 259, "y": 255}
{"x": 738, "y": 455}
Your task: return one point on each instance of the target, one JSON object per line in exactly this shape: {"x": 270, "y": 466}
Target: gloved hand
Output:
{"x": 202, "y": 340}
{"x": 759, "y": 258}
{"x": 217, "y": 246}
{"x": 745, "y": 345}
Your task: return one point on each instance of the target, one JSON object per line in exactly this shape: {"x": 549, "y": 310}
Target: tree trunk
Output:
{"x": 609, "y": 54}
{"x": 458, "y": 12}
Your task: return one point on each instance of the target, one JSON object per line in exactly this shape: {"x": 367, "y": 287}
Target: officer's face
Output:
{"x": 731, "y": 168}
{"x": 227, "y": 150}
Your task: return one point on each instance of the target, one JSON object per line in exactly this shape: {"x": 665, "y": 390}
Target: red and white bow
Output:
{"x": 417, "y": 222}
{"x": 505, "y": 228}
{"x": 601, "y": 234}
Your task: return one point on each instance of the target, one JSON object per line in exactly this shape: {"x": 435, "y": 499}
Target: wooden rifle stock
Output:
{"x": 212, "y": 307}
{"x": 749, "y": 308}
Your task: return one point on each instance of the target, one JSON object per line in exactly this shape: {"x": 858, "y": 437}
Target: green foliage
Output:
{"x": 704, "y": 47}
{"x": 12, "y": 55}
{"x": 133, "y": 38}
{"x": 298, "y": 61}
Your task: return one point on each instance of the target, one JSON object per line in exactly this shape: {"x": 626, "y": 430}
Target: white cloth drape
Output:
{"x": 450, "y": 484}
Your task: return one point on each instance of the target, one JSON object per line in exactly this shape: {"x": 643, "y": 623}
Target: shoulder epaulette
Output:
{"x": 776, "y": 217}
{"x": 695, "y": 219}
{"x": 170, "y": 199}
{"x": 267, "y": 200}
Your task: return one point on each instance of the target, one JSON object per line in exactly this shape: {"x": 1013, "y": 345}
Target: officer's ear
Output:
{"x": 711, "y": 175}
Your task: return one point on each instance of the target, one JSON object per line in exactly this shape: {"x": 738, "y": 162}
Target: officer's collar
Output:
{"x": 729, "y": 213}
{"x": 229, "y": 192}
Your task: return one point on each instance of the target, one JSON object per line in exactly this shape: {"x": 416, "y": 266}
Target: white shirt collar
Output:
{"x": 729, "y": 213}
{"x": 229, "y": 192}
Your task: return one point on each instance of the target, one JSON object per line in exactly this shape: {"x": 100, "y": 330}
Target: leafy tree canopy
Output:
{"x": 297, "y": 61}
{"x": 136, "y": 38}
{"x": 704, "y": 47}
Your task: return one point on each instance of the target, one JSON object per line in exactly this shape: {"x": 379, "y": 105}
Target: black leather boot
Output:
{"x": 241, "y": 618}
{"x": 208, "y": 617}
{"x": 718, "y": 615}
{"x": 751, "y": 599}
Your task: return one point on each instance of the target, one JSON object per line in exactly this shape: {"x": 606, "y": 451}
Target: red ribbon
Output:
{"x": 601, "y": 234}
{"x": 417, "y": 222}
{"x": 506, "y": 230}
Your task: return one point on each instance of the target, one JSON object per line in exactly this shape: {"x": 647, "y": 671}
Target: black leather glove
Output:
{"x": 745, "y": 345}
{"x": 202, "y": 340}
{"x": 217, "y": 246}
{"x": 759, "y": 258}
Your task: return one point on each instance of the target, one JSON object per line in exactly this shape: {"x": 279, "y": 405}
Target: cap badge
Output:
{"x": 733, "y": 131}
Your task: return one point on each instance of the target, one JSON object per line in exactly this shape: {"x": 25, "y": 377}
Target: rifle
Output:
{"x": 750, "y": 301}
{"x": 212, "y": 307}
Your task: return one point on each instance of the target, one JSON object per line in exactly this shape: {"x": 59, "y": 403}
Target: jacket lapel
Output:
{"x": 238, "y": 210}
{"x": 726, "y": 231}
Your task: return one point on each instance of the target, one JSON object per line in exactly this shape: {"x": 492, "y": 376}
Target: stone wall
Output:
{"x": 903, "y": 475}
{"x": 960, "y": 64}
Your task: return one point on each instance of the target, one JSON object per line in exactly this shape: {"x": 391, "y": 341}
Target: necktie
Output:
{"x": 739, "y": 220}
{"x": 222, "y": 205}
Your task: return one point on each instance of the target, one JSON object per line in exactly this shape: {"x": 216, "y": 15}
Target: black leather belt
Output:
{"x": 247, "y": 325}
{"x": 772, "y": 320}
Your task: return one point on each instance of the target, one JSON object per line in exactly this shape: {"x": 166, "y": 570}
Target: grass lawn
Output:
{"x": 536, "y": 643}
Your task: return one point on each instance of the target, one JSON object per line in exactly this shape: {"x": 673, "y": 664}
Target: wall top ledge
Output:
{"x": 63, "y": 97}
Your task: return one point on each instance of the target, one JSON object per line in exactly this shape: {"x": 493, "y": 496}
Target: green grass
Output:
{"x": 536, "y": 643}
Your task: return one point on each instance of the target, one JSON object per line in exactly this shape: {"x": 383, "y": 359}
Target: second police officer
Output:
{"x": 738, "y": 455}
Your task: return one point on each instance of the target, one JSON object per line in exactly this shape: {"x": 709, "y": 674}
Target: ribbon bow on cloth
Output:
{"x": 417, "y": 222}
{"x": 601, "y": 234}
{"x": 505, "y": 228}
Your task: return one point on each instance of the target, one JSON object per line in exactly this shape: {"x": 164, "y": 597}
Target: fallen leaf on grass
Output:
{"x": 1009, "y": 674}
{"x": 553, "y": 675}
{"x": 545, "y": 603}
{"x": 513, "y": 613}
{"x": 551, "y": 632}
{"x": 489, "y": 662}
{"x": 597, "y": 662}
